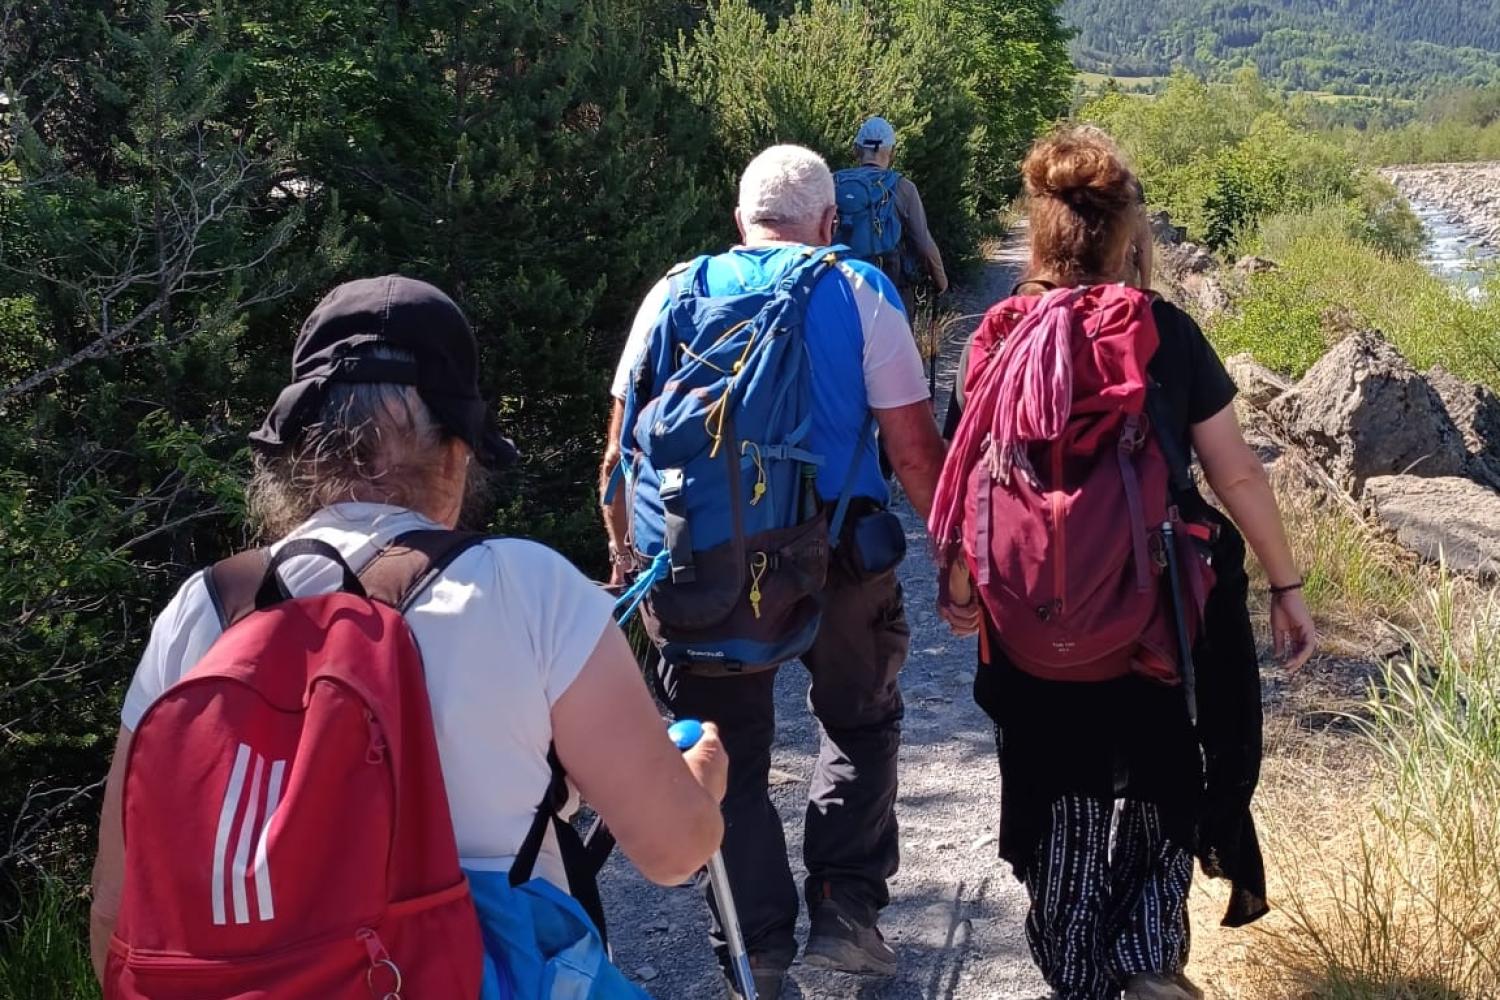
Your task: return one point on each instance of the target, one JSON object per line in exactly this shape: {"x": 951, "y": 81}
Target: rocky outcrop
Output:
{"x": 1258, "y": 385}
{"x": 1166, "y": 234}
{"x": 1421, "y": 453}
{"x": 1468, "y": 194}
{"x": 1247, "y": 266}
{"x": 1476, "y": 411}
{"x": 1192, "y": 278}
{"x": 1450, "y": 519}
{"x": 1363, "y": 411}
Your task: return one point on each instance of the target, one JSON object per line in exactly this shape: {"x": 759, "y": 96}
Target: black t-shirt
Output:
{"x": 1191, "y": 378}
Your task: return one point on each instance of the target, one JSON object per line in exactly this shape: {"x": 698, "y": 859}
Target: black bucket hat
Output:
{"x": 410, "y": 316}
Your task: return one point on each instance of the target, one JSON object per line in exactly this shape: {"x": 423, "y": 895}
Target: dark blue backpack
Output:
{"x": 868, "y": 221}
{"x": 724, "y": 508}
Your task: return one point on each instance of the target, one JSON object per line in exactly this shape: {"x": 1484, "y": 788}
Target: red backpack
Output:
{"x": 1056, "y": 489}
{"x": 286, "y": 826}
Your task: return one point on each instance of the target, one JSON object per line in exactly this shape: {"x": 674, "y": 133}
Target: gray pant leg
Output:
{"x": 851, "y": 846}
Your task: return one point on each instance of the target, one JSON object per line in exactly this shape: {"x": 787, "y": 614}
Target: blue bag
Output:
{"x": 723, "y": 499}
{"x": 869, "y": 223}
{"x": 541, "y": 943}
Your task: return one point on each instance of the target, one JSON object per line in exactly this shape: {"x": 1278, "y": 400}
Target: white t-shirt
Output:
{"x": 503, "y": 634}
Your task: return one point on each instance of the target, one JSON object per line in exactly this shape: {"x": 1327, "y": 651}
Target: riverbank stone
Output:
{"x": 1258, "y": 385}
{"x": 1475, "y": 409}
{"x": 1363, "y": 411}
{"x": 1448, "y": 519}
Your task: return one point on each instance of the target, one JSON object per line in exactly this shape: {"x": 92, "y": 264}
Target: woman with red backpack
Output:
{"x": 343, "y": 756}
{"x": 1117, "y": 655}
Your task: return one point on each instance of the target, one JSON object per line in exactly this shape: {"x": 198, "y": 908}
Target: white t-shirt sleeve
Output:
{"x": 565, "y": 613}
{"x": 187, "y": 626}
{"x": 640, "y": 328}
{"x": 892, "y": 363}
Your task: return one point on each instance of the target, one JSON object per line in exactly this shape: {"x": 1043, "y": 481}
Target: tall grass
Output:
{"x": 44, "y": 956}
{"x": 1406, "y": 905}
{"x": 1284, "y": 318}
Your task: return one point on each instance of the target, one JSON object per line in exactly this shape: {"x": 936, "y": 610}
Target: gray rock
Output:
{"x": 1476, "y": 411}
{"x": 1451, "y": 519}
{"x": 1165, "y": 232}
{"x": 1258, "y": 385}
{"x": 1247, "y": 266}
{"x": 1362, "y": 411}
{"x": 1190, "y": 258}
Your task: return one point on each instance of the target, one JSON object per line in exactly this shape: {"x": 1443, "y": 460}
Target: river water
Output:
{"x": 1453, "y": 251}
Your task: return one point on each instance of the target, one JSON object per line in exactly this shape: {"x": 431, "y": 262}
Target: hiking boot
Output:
{"x": 843, "y": 944}
{"x": 1152, "y": 986}
{"x": 768, "y": 981}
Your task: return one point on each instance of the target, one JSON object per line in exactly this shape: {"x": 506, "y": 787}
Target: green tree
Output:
{"x": 815, "y": 74}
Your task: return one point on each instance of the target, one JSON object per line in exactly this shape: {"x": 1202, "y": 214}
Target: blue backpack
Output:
{"x": 724, "y": 507}
{"x": 868, "y": 221}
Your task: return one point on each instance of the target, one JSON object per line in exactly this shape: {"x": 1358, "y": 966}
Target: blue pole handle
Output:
{"x": 685, "y": 733}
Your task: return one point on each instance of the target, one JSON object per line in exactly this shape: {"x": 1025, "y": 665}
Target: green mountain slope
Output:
{"x": 1383, "y": 47}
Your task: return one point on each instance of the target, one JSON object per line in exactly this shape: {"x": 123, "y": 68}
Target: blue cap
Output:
{"x": 876, "y": 133}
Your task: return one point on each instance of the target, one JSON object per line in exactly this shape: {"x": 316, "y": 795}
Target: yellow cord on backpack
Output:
{"x": 758, "y": 565}
{"x": 760, "y": 471}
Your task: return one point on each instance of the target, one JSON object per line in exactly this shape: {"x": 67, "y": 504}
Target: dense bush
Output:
{"x": 1244, "y": 158}
{"x": 178, "y": 189}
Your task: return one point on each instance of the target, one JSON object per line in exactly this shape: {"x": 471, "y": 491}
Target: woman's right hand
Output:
{"x": 709, "y": 762}
{"x": 1293, "y": 632}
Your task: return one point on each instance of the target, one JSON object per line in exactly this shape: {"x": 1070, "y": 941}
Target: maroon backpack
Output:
{"x": 1057, "y": 487}
{"x": 287, "y": 831}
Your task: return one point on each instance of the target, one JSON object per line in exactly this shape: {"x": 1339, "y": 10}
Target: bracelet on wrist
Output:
{"x": 1290, "y": 588}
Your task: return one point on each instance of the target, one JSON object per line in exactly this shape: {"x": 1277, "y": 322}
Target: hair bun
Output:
{"x": 1082, "y": 167}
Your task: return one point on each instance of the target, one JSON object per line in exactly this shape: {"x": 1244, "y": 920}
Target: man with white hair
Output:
{"x": 864, "y": 361}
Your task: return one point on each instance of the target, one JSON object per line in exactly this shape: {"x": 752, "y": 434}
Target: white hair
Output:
{"x": 785, "y": 184}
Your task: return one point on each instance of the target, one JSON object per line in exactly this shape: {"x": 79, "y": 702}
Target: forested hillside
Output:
{"x": 1383, "y": 47}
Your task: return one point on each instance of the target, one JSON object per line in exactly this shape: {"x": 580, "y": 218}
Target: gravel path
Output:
{"x": 956, "y": 912}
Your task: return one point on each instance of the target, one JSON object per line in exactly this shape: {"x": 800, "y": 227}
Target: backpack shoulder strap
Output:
{"x": 232, "y": 584}
{"x": 799, "y": 280}
{"x": 250, "y": 580}
{"x": 688, "y": 279}
{"x": 1179, "y": 469}
{"x": 406, "y": 567}
{"x": 581, "y": 871}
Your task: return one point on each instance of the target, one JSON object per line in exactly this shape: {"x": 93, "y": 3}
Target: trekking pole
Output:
{"x": 1179, "y": 619}
{"x": 686, "y": 734}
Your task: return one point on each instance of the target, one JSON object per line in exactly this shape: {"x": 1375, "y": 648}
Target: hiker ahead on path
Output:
{"x": 1116, "y": 651}
{"x": 297, "y": 783}
{"x": 881, "y": 216}
{"x": 746, "y": 403}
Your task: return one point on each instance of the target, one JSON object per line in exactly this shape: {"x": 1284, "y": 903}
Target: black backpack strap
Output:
{"x": 251, "y": 581}
{"x": 232, "y": 584}
{"x": 405, "y": 568}
{"x": 583, "y": 883}
{"x": 1179, "y": 468}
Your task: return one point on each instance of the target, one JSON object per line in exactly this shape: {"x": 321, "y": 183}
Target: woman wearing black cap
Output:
{"x": 376, "y": 437}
